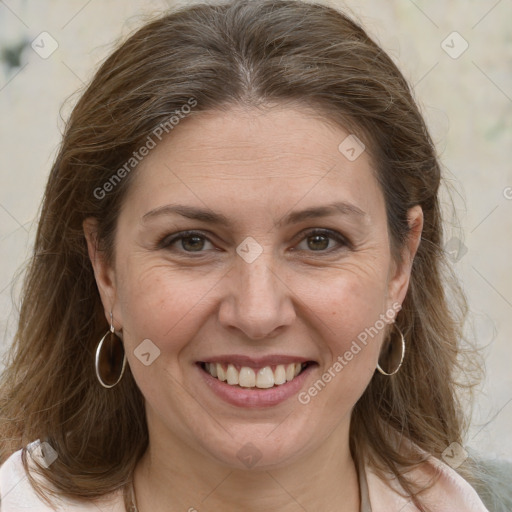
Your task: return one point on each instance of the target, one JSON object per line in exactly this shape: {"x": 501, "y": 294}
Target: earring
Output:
{"x": 110, "y": 360}
{"x": 402, "y": 339}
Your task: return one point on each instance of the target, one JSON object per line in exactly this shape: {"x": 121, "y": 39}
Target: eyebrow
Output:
{"x": 208, "y": 216}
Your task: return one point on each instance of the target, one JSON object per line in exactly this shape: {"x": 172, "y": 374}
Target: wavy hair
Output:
{"x": 248, "y": 53}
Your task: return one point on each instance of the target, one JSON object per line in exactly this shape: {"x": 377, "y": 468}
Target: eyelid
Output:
{"x": 330, "y": 233}
{"x": 168, "y": 240}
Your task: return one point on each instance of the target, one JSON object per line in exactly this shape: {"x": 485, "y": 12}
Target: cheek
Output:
{"x": 335, "y": 306}
{"x": 349, "y": 312}
{"x": 347, "y": 300}
{"x": 158, "y": 307}
{"x": 157, "y": 303}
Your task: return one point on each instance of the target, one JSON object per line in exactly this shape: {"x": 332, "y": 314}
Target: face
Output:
{"x": 287, "y": 267}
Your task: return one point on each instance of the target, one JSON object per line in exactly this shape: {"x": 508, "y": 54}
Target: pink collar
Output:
{"x": 450, "y": 492}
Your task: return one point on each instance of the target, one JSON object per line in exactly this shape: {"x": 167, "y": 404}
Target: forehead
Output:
{"x": 254, "y": 160}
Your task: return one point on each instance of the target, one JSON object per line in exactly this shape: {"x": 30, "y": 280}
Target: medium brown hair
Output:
{"x": 248, "y": 53}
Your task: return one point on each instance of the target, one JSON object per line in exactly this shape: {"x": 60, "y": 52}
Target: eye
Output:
{"x": 317, "y": 240}
{"x": 191, "y": 241}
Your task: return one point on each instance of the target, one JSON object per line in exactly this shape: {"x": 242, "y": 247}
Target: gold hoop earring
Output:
{"x": 402, "y": 339}
{"x": 110, "y": 360}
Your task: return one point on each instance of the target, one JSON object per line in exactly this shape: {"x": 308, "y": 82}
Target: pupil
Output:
{"x": 324, "y": 242}
{"x": 198, "y": 239}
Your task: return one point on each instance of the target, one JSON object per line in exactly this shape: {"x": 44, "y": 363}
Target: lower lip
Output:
{"x": 255, "y": 397}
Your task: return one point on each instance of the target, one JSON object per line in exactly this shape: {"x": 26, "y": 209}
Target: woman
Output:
{"x": 238, "y": 283}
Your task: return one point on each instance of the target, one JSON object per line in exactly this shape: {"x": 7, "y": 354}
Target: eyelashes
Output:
{"x": 200, "y": 239}
{"x": 169, "y": 241}
{"x": 326, "y": 234}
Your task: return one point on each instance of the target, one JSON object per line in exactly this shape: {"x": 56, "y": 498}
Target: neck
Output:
{"x": 175, "y": 477}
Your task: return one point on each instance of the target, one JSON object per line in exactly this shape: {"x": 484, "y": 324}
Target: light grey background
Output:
{"x": 466, "y": 98}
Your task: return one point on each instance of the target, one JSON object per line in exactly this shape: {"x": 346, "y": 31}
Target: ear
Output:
{"x": 401, "y": 272}
{"x": 103, "y": 274}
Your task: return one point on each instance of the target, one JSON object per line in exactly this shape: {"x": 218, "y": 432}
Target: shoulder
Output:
{"x": 450, "y": 491}
{"x": 17, "y": 493}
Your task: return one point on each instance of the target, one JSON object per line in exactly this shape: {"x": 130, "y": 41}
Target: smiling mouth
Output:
{"x": 247, "y": 377}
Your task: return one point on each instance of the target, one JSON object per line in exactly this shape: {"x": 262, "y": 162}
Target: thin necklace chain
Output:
{"x": 131, "y": 503}
{"x": 129, "y": 498}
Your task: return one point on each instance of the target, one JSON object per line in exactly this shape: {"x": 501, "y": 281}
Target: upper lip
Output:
{"x": 256, "y": 362}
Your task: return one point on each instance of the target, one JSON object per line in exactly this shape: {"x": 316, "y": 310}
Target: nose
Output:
{"x": 259, "y": 301}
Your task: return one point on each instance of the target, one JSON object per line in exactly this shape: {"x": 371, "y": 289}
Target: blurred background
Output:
{"x": 456, "y": 54}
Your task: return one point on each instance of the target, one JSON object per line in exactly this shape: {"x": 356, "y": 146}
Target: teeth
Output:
{"x": 247, "y": 378}
{"x": 279, "y": 375}
{"x": 221, "y": 374}
{"x": 265, "y": 378}
{"x": 232, "y": 375}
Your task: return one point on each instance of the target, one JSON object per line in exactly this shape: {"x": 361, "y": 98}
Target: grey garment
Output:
{"x": 363, "y": 490}
{"x": 494, "y": 484}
